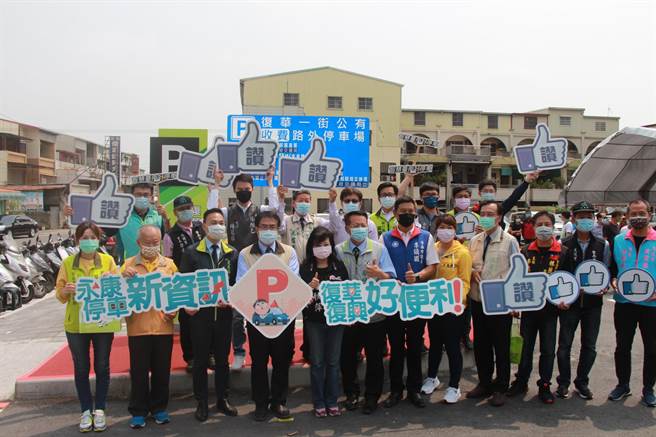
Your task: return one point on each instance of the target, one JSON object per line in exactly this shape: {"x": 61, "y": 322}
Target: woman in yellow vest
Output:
{"x": 87, "y": 263}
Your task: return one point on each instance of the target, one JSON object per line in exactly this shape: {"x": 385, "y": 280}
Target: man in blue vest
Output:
{"x": 413, "y": 254}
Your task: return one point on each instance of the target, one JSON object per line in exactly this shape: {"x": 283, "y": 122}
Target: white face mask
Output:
{"x": 322, "y": 252}
{"x": 446, "y": 234}
{"x": 217, "y": 232}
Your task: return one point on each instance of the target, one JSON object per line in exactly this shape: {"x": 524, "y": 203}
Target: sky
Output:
{"x": 129, "y": 68}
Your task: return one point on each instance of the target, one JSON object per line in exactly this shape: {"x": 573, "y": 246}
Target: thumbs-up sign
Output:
{"x": 107, "y": 207}
{"x": 410, "y": 277}
{"x": 314, "y": 170}
{"x": 545, "y": 153}
{"x": 636, "y": 285}
{"x": 314, "y": 283}
{"x": 373, "y": 270}
{"x": 466, "y": 224}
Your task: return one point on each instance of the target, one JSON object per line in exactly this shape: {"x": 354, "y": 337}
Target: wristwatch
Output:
{"x": 417, "y": 277}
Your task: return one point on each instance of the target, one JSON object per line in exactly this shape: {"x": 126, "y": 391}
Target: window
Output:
{"x": 600, "y": 125}
{"x": 456, "y": 119}
{"x": 334, "y": 102}
{"x": 530, "y": 122}
{"x": 365, "y": 104}
{"x": 290, "y": 99}
{"x": 493, "y": 122}
{"x": 420, "y": 118}
{"x": 565, "y": 121}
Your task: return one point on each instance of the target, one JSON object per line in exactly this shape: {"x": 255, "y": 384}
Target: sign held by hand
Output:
{"x": 545, "y": 153}
{"x": 314, "y": 170}
{"x": 636, "y": 285}
{"x": 466, "y": 223}
{"x": 106, "y": 207}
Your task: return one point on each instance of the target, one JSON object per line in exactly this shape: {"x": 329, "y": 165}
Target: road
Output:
{"x": 32, "y": 333}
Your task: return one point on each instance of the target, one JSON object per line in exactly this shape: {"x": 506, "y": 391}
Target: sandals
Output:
{"x": 320, "y": 412}
{"x": 334, "y": 411}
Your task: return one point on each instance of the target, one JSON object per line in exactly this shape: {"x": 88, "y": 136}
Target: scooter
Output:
{"x": 52, "y": 254}
{"x": 36, "y": 254}
{"x": 16, "y": 265}
{"x": 10, "y": 294}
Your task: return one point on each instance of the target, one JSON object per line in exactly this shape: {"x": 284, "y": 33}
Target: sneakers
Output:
{"x": 99, "y": 422}
{"x": 86, "y": 422}
{"x": 517, "y": 388}
{"x": 238, "y": 362}
{"x": 544, "y": 393}
{"x": 620, "y": 392}
{"x": 648, "y": 398}
{"x": 161, "y": 417}
{"x": 584, "y": 392}
{"x": 452, "y": 395}
{"x": 429, "y": 385}
{"x": 137, "y": 422}
{"x": 562, "y": 392}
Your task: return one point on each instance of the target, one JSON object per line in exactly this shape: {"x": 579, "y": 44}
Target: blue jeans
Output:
{"x": 325, "y": 349}
{"x": 79, "y": 344}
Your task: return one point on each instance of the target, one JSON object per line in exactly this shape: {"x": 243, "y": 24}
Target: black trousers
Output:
{"x": 371, "y": 336}
{"x": 543, "y": 323}
{"x": 185, "y": 336}
{"x": 628, "y": 317}
{"x": 149, "y": 354}
{"x": 491, "y": 347}
{"x": 406, "y": 340}
{"x": 281, "y": 352}
{"x": 443, "y": 332}
{"x": 211, "y": 333}
{"x": 590, "y": 319}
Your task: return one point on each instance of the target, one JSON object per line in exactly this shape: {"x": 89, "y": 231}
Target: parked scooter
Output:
{"x": 38, "y": 256}
{"x": 10, "y": 294}
{"x": 12, "y": 258}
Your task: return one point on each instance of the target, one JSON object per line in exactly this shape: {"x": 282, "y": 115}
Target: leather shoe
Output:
{"x": 261, "y": 413}
{"x": 416, "y": 400}
{"x": 393, "y": 399}
{"x": 479, "y": 392}
{"x": 223, "y": 406}
{"x": 497, "y": 399}
{"x": 351, "y": 402}
{"x": 280, "y": 411}
{"x": 201, "y": 411}
{"x": 369, "y": 406}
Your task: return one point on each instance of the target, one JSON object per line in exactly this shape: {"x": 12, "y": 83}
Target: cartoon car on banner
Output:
{"x": 265, "y": 315}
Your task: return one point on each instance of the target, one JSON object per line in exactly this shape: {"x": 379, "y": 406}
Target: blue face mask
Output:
{"x": 141, "y": 203}
{"x": 351, "y": 206}
{"x": 487, "y": 223}
{"x": 267, "y": 237}
{"x": 387, "y": 201}
{"x": 430, "y": 201}
{"x": 584, "y": 224}
{"x": 359, "y": 234}
{"x": 185, "y": 216}
{"x": 488, "y": 197}
{"x": 302, "y": 208}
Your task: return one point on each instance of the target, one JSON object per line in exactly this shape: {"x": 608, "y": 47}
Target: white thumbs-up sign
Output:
{"x": 545, "y": 153}
{"x": 466, "y": 223}
{"x": 106, "y": 207}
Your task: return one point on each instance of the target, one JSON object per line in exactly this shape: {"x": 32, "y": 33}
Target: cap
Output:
{"x": 583, "y": 206}
{"x": 182, "y": 201}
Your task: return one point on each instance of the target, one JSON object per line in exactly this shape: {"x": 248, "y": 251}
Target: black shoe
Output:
{"x": 517, "y": 388}
{"x": 544, "y": 393}
{"x": 479, "y": 392}
{"x": 497, "y": 399}
{"x": 280, "y": 411}
{"x": 562, "y": 392}
{"x": 584, "y": 392}
{"x": 261, "y": 413}
{"x": 223, "y": 406}
{"x": 190, "y": 366}
{"x": 201, "y": 411}
{"x": 393, "y": 399}
{"x": 369, "y": 406}
{"x": 351, "y": 402}
{"x": 211, "y": 363}
{"x": 416, "y": 400}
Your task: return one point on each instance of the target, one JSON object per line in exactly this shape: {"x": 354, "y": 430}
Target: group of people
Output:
{"x": 400, "y": 240}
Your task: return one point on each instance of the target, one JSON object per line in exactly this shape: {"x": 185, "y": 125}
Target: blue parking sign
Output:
{"x": 346, "y": 138}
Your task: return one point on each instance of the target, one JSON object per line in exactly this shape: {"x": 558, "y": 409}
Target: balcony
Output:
{"x": 461, "y": 153}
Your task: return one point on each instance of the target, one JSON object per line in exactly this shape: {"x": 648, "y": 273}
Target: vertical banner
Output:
{"x": 115, "y": 156}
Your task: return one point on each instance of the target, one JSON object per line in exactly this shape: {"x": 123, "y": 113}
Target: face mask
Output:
{"x": 185, "y": 216}
{"x": 359, "y": 234}
{"x": 638, "y": 222}
{"x": 488, "y": 197}
{"x": 322, "y": 252}
{"x": 350, "y": 207}
{"x": 387, "y": 201}
{"x": 430, "y": 201}
{"x": 244, "y": 196}
{"x": 149, "y": 251}
{"x": 88, "y": 246}
{"x": 267, "y": 237}
{"x": 463, "y": 203}
{"x": 445, "y": 235}
{"x": 487, "y": 223}
{"x": 141, "y": 203}
{"x": 585, "y": 224}
{"x": 406, "y": 220}
{"x": 218, "y": 232}
{"x": 544, "y": 233}
{"x": 302, "y": 208}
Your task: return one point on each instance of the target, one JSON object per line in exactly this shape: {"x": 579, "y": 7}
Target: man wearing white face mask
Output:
{"x": 211, "y": 328}
{"x": 183, "y": 234}
{"x": 384, "y": 218}
{"x": 150, "y": 337}
{"x": 351, "y": 199}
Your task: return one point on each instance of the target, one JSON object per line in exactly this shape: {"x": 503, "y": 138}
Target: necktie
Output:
{"x": 215, "y": 255}
{"x": 302, "y": 221}
{"x": 268, "y": 250}
{"x": 356, "y": 253}
{"x": 485, "y": 246}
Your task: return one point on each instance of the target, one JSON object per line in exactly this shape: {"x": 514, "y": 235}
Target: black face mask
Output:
{"x": 639, "y": 222}
{"x": 406, "y": 220}
{"x": 244, "y": 196}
